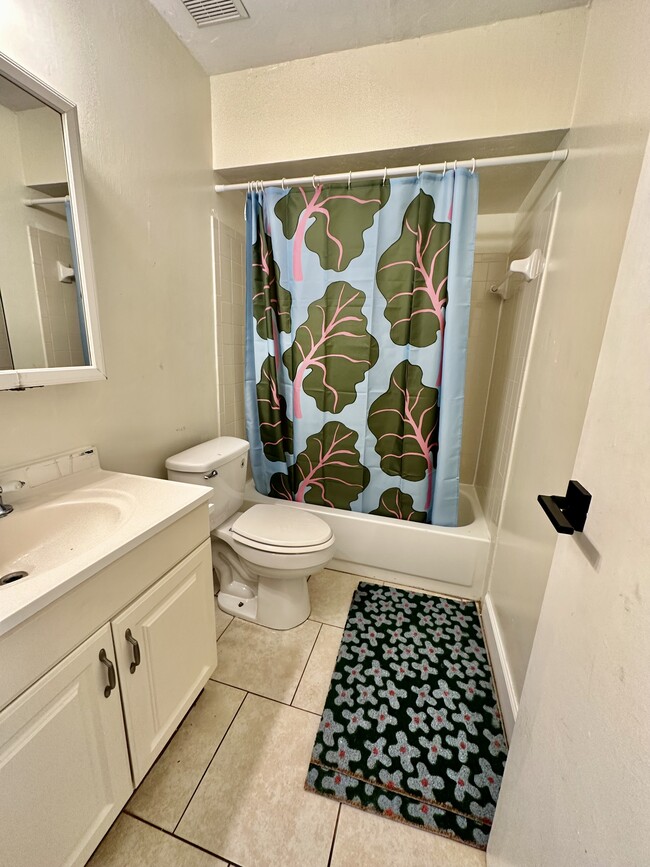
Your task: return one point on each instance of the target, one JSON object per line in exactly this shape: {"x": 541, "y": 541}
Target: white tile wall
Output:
{"x": 230, "y": 310}
{"x": 512, "y": 343}
{"x": 483, "y": 323}
{"x": 57, "y": 301}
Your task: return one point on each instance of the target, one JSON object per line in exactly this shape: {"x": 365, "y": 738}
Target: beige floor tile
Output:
{"x": 131, "y": 842}
{"x": 268, "y": 662}
{"x": 363, "y": 840}
{"x": 221, "y": 618}
{"x": 166, "y": 790}
{"x": 315, "y": 682}
{"x": 330, "y": 593}
{"x": 251, "y": 806}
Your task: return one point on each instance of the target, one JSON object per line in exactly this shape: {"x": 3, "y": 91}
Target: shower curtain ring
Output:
{"x": 455, "y": 164}
{"x": 419, "y": 167}
{"x": 473, "y": 164}
{"x": 313, "y": 180}
{"x": 444, "y": 170}
{"x": 349, "y": 179}
{"x": 283, "y": 183}
{"x": 385, "y": 175}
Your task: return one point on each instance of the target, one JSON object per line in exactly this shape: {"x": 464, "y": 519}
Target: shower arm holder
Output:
{"x": 530, "y": 268}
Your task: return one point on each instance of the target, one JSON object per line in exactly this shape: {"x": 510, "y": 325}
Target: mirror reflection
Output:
{"x": 41, "y": 309}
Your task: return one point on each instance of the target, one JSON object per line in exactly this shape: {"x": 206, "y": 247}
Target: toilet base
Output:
{"x": 269, "y": 600}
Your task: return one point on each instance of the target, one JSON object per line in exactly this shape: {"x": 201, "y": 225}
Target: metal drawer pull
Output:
{"x": 136, "y": 650}
{"x": 112, "y": 680}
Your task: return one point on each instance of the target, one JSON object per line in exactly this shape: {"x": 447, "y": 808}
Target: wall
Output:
{"x": 144, "y": 112}
{"x": 41, "y": 145}
{"x": 510, "y": 77}
{"x": 608, "y": 136}
{"x": 576, "y": 786}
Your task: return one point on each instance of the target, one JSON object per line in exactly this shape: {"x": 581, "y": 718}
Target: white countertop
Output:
{"x": 110, "y": 514}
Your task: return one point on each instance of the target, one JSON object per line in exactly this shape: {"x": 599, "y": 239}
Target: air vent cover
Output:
{"x": 206, "y": 12}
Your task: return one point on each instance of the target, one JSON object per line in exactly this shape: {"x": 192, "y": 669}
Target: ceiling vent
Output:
{"x": 206, "y": 12}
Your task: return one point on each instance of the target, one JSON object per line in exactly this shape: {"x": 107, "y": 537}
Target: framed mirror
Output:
{"x": 49, "y": 327}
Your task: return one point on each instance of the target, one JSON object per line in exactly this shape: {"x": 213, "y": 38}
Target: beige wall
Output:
{"x": 41, "y": 145}
{"x": 511, "y": 77}
{"x": 144, "y": 112}
{"x": 609, "y": 132}
{"x": 576, "y": 787}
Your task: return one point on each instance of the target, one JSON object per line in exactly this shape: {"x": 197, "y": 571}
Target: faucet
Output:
{"x": 5, "y": 488}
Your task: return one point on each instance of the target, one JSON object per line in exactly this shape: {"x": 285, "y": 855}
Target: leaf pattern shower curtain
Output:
{"x": 356, "y": 336}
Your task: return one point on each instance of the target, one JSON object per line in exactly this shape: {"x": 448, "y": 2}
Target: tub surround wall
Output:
{"x": 230, "y": 282}
{"x": 607, "y": 140}
{"x": 144, "y": 114}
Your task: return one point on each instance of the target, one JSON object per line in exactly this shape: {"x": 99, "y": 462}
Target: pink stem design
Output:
{"x": 312, "y": 207}
{"x": 335, "y": 450}
{"x": 313, "y": 359}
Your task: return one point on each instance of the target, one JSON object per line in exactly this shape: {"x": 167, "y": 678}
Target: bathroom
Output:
{"x": 556, "y": 389}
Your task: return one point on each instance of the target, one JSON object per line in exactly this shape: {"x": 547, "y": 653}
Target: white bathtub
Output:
{"x": 420, "y": 555}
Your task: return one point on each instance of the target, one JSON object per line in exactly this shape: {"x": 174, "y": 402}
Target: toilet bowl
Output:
{"x": 263, "y": 556}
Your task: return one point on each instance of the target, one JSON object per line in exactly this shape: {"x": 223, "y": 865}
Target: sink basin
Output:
{"x": 45, "y": 535}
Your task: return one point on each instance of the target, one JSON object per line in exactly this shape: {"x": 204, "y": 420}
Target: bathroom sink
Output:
{"x": 48, "y": 534}
{"x": 64, "y": 531}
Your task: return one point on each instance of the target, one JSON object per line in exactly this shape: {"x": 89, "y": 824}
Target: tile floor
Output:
{"x": 228, "y": 789}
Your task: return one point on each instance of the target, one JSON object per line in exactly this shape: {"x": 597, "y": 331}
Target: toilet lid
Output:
{"x": 281, "y": 526}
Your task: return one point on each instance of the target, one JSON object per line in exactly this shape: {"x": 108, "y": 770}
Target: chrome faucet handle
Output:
{"x": 5, "y": 488}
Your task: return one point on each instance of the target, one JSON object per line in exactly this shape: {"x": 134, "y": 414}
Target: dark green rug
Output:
{"x": 411, "y": 728}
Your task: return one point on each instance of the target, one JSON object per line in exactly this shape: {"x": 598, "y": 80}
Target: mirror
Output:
{"x": 49, "y": 330}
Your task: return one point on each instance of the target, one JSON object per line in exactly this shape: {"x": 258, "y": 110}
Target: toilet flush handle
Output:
{"x": 211, "y": 474}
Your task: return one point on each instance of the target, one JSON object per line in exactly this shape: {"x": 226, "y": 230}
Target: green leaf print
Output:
{"x": 276, "y": 429}
{"x": 412, "y": 276}
{"x": 330, "y": 220}
{"x": 394, "y": 503}
{"x": 271, "y": 303}
{"x": 328, "y": 472}
{"x": 333, "y": 350}
{"x": 404, "y": 419}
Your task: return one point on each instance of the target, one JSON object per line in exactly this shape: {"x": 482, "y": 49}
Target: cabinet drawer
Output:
{"x": 166, "y": 650}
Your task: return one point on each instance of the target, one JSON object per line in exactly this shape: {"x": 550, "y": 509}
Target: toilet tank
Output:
{"x": 219, "y": 463}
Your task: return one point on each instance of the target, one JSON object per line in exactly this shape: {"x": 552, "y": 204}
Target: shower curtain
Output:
{"x": 356, "y": 335}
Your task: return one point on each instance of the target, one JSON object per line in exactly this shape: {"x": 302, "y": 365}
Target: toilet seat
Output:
{"x": 281, "y": 530}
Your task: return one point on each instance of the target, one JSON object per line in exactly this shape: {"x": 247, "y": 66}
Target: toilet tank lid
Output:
{"x": 207, "y": 456}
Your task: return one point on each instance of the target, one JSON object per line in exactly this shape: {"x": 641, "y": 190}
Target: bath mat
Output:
{"x": 411, "y": 728}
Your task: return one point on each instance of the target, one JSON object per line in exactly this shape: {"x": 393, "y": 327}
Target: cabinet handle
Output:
{"x": 112, "y": 680}
{"x": 136, "y": 650}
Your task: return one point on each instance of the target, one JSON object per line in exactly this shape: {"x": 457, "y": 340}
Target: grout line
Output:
{"x": 302, "y": 674}
{"x": 336, "y": 827}
{"x": 226, "y": 629}
{"x": 267, "y": 697}
{"x": 225, "y": 734}
{"x": 179, "y": 839}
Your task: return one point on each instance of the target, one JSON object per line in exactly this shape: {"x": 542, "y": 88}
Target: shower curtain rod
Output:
{"x": 484, "y": 162}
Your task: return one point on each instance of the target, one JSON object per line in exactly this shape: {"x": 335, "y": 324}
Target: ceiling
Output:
{"x": 282, "y": 30}
{"x": 15, "y": 98}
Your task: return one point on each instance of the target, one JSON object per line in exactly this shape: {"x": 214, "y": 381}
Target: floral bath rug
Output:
{"x": 411, "y": 727}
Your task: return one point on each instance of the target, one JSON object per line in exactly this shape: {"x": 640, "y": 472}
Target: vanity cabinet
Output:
{"x": 76, "y": 742}
{"x": 64, "y": 763}
{"x": 166, "y": 649}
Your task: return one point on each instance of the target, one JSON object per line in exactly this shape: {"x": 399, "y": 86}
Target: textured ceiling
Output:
{"x": 281, "y": 30}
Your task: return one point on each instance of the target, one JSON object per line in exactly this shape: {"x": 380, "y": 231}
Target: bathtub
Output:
{"x": 443, "y": 559}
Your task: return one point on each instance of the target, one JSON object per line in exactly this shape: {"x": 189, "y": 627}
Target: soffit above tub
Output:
{"x": 281, "y": 30}
{"x": 502, "y": 188}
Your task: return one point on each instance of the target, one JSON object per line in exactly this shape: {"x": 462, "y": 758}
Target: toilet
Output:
{"x": 263, "y": 556}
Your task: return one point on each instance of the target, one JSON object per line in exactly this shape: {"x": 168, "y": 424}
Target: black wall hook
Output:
{"x": 569, "y": 513}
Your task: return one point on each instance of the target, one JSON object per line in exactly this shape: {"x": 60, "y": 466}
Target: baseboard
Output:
{"x": 502, "y": 677}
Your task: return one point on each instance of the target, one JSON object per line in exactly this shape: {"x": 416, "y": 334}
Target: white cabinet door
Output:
{"x": 64, "y": 765}
{"x": 168, "y": 656}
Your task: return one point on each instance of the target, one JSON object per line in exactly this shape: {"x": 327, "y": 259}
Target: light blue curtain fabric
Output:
{"x": 356, "y": 339}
